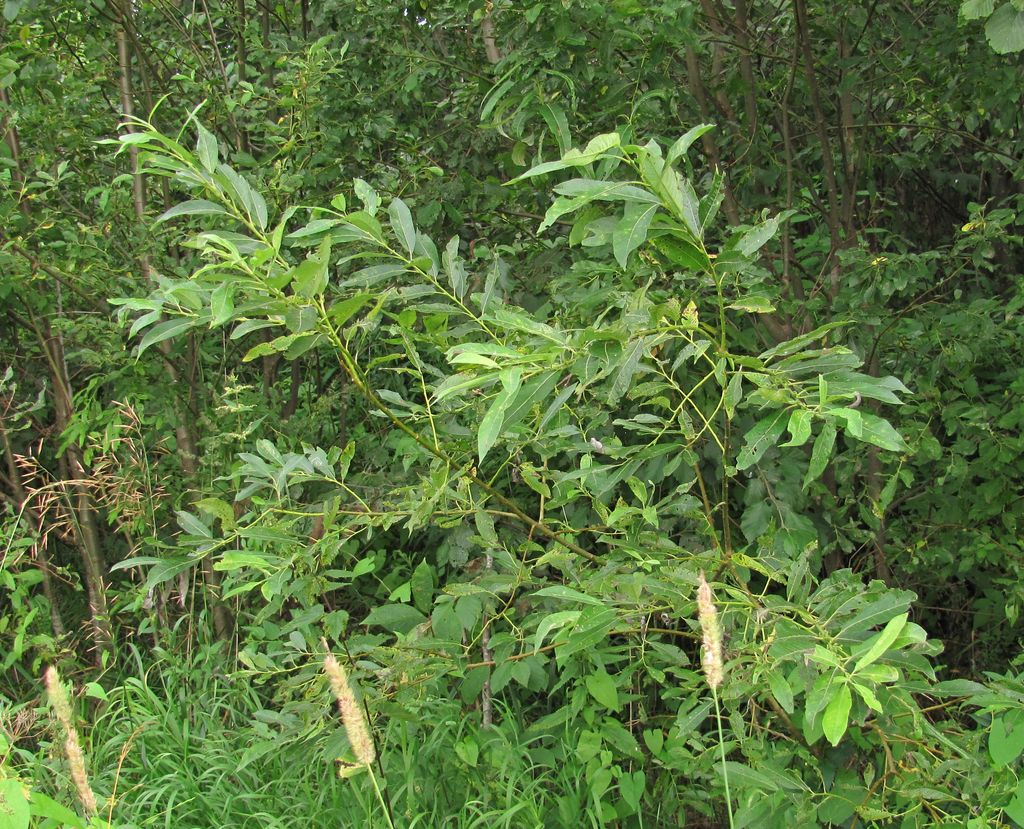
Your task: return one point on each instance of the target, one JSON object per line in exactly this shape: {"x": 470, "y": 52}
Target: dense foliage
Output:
{"x": 620, "y": 402}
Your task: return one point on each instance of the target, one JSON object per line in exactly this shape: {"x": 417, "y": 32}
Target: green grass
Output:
{"x": 185, "y": 745}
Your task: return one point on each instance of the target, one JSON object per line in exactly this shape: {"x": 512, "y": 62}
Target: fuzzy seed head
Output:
{"x": 72, "y": 750}
{"x": 351, "y": 714}
{"x": 711, "y": 629}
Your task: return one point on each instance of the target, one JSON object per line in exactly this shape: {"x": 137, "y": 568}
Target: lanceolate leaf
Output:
{"x": 491, "y": 424}
{"x": 880, "y": 643}
{"x": 206, "y": 148}
{"x": 880, "y": 432}
{"x": 760, "y": 438}
{"x": 682, "y": 144}
{"x": 821, "y": 452}
{"x": 836, "y": 716}
{"x": 195, "y": 207}
{"x": 755, "y": 238}
{"x": 631, "y": 231}
{"x": 799, "y": 427}
{"x": 166, "y": 331}
{"x": 401, "y": 224}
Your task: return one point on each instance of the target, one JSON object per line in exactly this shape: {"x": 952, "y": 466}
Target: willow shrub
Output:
{"x": 528, "y": 492}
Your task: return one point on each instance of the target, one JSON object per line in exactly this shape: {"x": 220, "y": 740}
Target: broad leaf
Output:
{"x": 836, "y": 716}
{"x": 631, "y": 232}
{"x": 760, "y": 438}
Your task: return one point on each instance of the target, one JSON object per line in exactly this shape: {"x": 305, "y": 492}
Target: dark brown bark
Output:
{"x": 696, "y": 85}
{"x": 821, "y": 127}
{"x": 80, "y": 501}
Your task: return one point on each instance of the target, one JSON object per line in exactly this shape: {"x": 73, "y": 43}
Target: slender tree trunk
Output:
{"x": 821, "y": 126}
{"x": 81, "y": 505}
{"x": 188, "y": 454}
{"x": 696, "y": 85}
{"x": 487, "y": 33}
{"x": 80, "y": 498}
{"x": 14, "y": 146}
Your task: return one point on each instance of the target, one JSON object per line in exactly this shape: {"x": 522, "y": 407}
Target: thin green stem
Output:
{"x": 380, "y": 797}
{"x": 721, "y": 747}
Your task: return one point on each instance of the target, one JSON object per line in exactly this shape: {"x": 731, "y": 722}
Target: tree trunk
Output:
{"x": 188, "y": 453}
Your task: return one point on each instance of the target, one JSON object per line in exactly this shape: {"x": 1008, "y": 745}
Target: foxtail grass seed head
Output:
{"x": 707, "y": 615}
{"x": 351, "y": 714}
{"x": 76, "y": 760}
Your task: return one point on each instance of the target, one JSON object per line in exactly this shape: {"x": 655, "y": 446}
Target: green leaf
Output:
{"x": 362, "y": 227}
{"x": 781, "y": 690}
{"x": 401, "y": 224}
{"x": 367, "y": 195}
{"x": 788, "y": 347}
{"x": 398, "y": 618}
{"x": 681, "y": 253}
{"x": 878, "y": 611}
{"x": 194, "y": 207}
{"x": 682, "y": 144}
{"x": 755, "y": 238}
{"x": 310, "y": 277}
{"x": 342, "y": 312}
{"x": 454, "y": 267}
{"x": 192, "y": 525}
{"x": 1006, "y": 738}
{"x": 165, "y": 331}
{"x": 275, "y": 346}
{"x": 14, "y": 810}
{"x": 422, "y": 584}
{"x": 880, "y": 642}
{"x": 733, "y": 393}
{"x": 222, "y": 304}
{"x": 1015, "y": 808}
{"x": 976, "y": 9}
{"x": 490, "y": 425}
{"x": 753, "y": 304}
{"x": 45, "y": 807}
{"x": 166, "y": 569}
{"x": 1005, "y": 30}
{"x": 601, "y": 686}
{"x": 627, "y": 368}
{"x": 469, "y": 358}
{"x": 554, "y": 621}
{"x": 760, "y": 438}
{"x": 206, "y": 148}
{"x": 837, "y": 713}
{"x": 866, "y": 694}
{"x": 631, "y": 231}
{"x": 559, "y": 591}
{"x": 821, "y": 453}
{"x": 597, "y": 147}
{"x": 219, "y": 509}
{"x": 596, "y": 190}
{"x": 880, "y": 432}
{"x": 740, "y": 774}
{"x": 712, "y": 200}
{"x": 799, "y": 427}
{"x": 554, "y": 116}
{"x": 690, "y": 208}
